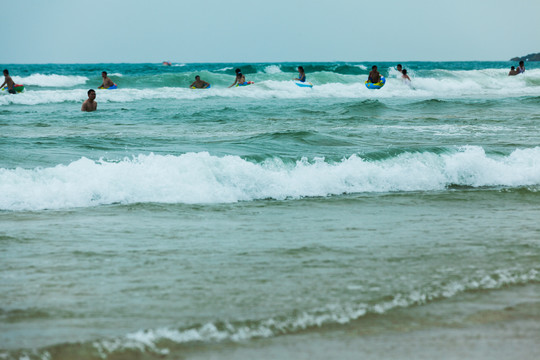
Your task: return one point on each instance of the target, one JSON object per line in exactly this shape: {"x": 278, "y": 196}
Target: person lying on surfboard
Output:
{"x": 301, "y": 75}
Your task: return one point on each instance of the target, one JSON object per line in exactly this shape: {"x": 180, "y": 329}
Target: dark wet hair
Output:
{"x": 404, "y": 71}
{"x": 513, "y": 68}
{"x": 6, "y": 72}
{"x": 197, "y": 77}
{"x": 521, "y": 62}
{"x": 373, "y": 67}
{"x": 91, "y": 90}
{"x": 104, "y": 72}
{"x": 238, "y": 71}
{"x": 301, "y": 68}
{"x": 399, "y": 65}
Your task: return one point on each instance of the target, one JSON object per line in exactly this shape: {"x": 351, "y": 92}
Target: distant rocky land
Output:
{"x": 530, "y": 57}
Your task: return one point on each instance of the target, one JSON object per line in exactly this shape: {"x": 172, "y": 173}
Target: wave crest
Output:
{"x": 200, "y": 178}
{"x": 51, "y": 80}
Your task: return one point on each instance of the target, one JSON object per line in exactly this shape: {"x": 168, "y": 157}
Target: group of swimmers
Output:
{"x": 520, "y": 69}
{"x": 375, "y": 77}
{"x": 240, "y": 80}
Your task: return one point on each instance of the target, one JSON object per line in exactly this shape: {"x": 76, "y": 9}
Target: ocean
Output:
{"x": 270, "y": 221}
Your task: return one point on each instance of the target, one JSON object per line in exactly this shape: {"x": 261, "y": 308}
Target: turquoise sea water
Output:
{"x": 172, "y": 221}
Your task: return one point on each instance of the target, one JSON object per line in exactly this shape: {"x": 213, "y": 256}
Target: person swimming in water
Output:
{"x": 240, "y": 78}
{"x": 374, "y": 76}
{"x": 513, "y": 71}
{"x": 404, "y": 75}
{"x": 301, "y": 75}
{"x": 9, "y": 82}
{"x": 199, "y": 84}
{"x": 521, "y": 67}
{"x": 90, "y": 104}
{"x": 107, "y": 83}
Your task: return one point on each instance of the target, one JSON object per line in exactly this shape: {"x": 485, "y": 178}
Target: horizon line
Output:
{"x": 253, "y": 62}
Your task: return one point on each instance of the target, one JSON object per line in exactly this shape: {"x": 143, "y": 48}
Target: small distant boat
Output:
{"x": 166, "y": 63}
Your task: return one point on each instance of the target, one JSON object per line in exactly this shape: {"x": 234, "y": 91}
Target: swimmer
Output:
{"x": 199, "y": 84}
{"x": 513, "y": 71}
{"x": 301, "y": 75}
{"x": 374, "y": 76}
{"x": 107, "y": 83}
{"x": 521, "y": 67}
{"x": 399, "y": 68}
{"x": 240, "y": 78}
{"x": 405, "y": 77}
{"x": 9, "y": 82}
{"x": 90, "y": 104}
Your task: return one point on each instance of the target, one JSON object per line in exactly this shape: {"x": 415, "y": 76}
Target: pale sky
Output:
{"x": 182, "y": 31}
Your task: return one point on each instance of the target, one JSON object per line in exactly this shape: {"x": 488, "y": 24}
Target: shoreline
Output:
{"x": 506, "y": 326}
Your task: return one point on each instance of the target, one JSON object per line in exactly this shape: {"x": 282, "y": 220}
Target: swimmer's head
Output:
{"x": 197, "y": 77}
{"x": 300, "y": 68}
{"x": 6, "y": 72}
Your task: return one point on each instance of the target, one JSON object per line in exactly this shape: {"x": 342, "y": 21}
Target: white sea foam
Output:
{"x": 204, "y": 179}
{"x": 35, "y": 97}
{"x": 146, "y": 340}
{"x": 272, "y": 69}
{"x": 51, "y": 80}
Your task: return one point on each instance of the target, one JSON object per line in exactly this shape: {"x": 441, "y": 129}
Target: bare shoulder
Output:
{"x": 87, "y": 106}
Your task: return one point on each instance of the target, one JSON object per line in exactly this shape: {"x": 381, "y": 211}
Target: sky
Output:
{"x": 187, "y": 31}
